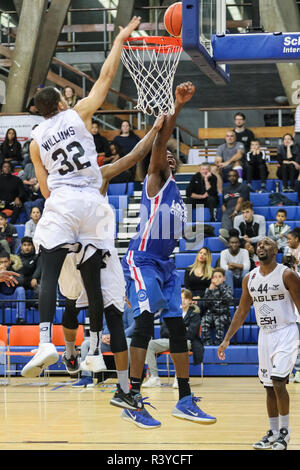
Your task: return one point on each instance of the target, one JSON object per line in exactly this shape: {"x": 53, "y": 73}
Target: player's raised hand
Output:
{"x": 184, "y": 92}
{"x": 127, "y": 30}
{"x": 9, "y": 277}
{"x": 221, "y": 349}
{"x": 159, "y": 122}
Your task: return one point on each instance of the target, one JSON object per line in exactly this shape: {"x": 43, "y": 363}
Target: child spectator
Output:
{"x": 288, "y": 156}
{"x": 197, "y": 277}
{"x": 256, "y": 166}
{"x": 251, "y": 226}
{"x": 12, "y": 192}
{"x": 9, "y": 239}
{"x": 235, "y": 261}
{"x": 278, "y": 231}
{"x": 13, "y": 293}
{"x": 11, "y": 149}
{"x": 293, "y": 248}
{"x": 31, "y": 268}
{"x": 216, "y": 302}
{"x": 31, "y": 224}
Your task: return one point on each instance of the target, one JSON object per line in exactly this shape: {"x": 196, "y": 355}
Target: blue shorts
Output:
{"x": 152, "y": 285}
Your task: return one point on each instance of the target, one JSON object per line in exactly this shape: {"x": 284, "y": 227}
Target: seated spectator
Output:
{"x": 203, "y": 189}
{"x": 289, "y": 261}
{"x": 234, "y": 195}
{"x": 11, "y": 149}
{"x": 31, "y": 108}
{"x": 13, "y": 295}
{"x": 25, "y": 149}
{"x": 70, "y": 96}
{"x": 293, "y": 248}
{"x": 192, "y": 321}
{"x": 254, "y": 261}
{"x": 104, "y": 155}
{"x": 31, "y": 224}
{"x": 31, "y": 267}
{"x": 288, "y": 156}
{"x": 278, "y": 231}
{"x": 216, "y": 314}
{"x": 127, "y": 140}
{"x": 197, "y": 276}
{"x": 236, "y": 263}
{"x": 256, "y": 166}
{"x": 32, "y": 188}
{"x": 251, "y": 226}
{"x": 243, "y": 134}
{"x": 9, "y": 239}
{"x": 230, "y": 156}
{"x": 12, "y": 192}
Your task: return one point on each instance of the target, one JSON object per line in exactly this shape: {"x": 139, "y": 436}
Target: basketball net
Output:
{"x": 152, "y": 63}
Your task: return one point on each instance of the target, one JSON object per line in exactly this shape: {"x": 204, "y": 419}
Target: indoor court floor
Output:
{"x": 59, "y": 417}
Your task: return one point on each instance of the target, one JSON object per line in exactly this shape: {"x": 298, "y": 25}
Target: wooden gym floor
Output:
{"x": 57, "y": 417}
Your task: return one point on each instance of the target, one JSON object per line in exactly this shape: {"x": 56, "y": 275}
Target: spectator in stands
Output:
{"x": 102, "y": 146}
{"x": 11, "y": 149}
{"x": 297, "y": 122}
{"x": 216, "y": 302}
{"x": 192, "y": 321}
{"x": 9, "y": 239}
{"x": 243, "y": 134}
{"x": 229, "y": 156}
{"x": 33, "y": 193}
{"x": 293, "y": 248}
{"x": 31, "y": 267}
{"x": 31, "y": 224}
{"x": 70, "y": 96}
{"x": 234, "y": 195}
{"x": 12, "y": 192}
{"x": 251, "y": 226}
{"x": 202, "y": 189}
{"x": 31, "y": 108}
{"x": 236, "y": 263}
{"x": 25, "y": 149}
{"x": 127, "y": 140}
{"x": 279, "y": 230}
{"x": 256, "y": 165}
{"x": 13, "y": 293}
{"x": 254, "y": 261}
{"x": 288, "y": 156}
{"x": 197, "y": 277}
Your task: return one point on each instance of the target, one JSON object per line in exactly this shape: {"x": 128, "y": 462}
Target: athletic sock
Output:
{"x": 274, "y": 424}
{"x": 184, "y": 387}
{"x": 45, "y": 332}
{"x": 285, "y": 422}
{"x": 123, "y": 380}
{"x": 135, "y": 384}
{"x": 70, "y": 349}
{"x": 95, "y": 341}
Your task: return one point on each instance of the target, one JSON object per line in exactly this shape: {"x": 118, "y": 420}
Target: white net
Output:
{"x": 152, "y": 67}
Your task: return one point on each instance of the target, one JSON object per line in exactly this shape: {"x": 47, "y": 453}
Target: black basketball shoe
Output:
{"x": 129, "y": 400}
{"x": 72, "y": 364}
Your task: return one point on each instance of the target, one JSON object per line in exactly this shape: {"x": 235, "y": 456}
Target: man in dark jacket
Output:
{"x": 192, "y": 321}
{"x": 31, "y": 268}
{"x": 12, "y": 191}
{"x": 9, "y": 239}
{"x": 12, "y": 295}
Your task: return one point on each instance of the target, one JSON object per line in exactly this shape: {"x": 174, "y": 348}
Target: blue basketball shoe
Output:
{"x": 141, "y": 417}
{"x": 187, "y": 408}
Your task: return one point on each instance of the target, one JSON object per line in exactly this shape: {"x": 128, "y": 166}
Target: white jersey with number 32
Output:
{"x": 274, "y": 307}
{"x": 68, "y": 151}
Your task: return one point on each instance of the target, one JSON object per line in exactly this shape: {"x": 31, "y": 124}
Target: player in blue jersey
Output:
{"x": 152, "y": 282}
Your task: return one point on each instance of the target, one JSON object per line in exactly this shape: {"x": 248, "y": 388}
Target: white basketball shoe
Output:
{"x": 46, "y": 356}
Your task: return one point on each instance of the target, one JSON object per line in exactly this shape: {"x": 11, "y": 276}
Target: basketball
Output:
{"x": 173, "y": 19}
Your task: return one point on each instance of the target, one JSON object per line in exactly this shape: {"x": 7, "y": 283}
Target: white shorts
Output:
{"x": 277, "y": 353}
{"x": 74, "y": 216}
{"x": 112, "y": 281}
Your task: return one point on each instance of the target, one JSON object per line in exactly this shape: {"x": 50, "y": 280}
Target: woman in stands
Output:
{"x": 288, "y": 156}
{"x": 31, "y": 224}
{"x": 198, "y": 276}
{"x": 11, "y": 149}
{"x": 127, "y": 140}
{"x": 70, "y": 96}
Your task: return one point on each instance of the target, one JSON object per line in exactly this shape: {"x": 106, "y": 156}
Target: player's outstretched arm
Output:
{"x": 238, "y": 318}
{"x": 40, "y": 171}
{"x": 184, "y": 93}
{"x": 137, "y": 154}
{"x": 89, "y": 105}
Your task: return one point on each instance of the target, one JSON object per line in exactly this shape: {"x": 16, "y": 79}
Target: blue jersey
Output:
{"x": 162, "y": 220}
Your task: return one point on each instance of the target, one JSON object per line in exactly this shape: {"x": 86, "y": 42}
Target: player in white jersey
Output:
{"x": 274, "y": 290}
{"x": 75, "y": 214}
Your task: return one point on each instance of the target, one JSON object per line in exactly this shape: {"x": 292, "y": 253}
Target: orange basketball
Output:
{"x": 173, "y": 19}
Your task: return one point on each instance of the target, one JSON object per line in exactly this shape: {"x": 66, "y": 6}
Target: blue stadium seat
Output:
{"x": 118, "y": 202}
{"x": 20, "y": 230}
{"x": 259, "y": 199}
{"x": 181, "y": 275}
{"x": 261, "y": 210}
{"x": 185, "y": 246}
{"x": 214, "y": 244}
{"x": 120, "y": 188}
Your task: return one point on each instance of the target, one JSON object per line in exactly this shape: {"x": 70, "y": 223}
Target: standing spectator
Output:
{"x": 13, "y": 293}
{"x": 230, "y": 156}
{"x": 256, "y": 166}
{"x": 127, "y": 140}
{"x": 288, "y": 156}
{"x": 251, "y": 226}
{"x": 243, "y": 134}
{"x": 216, "y": 302}
{"x": 234, "y": 195}
{"x": 197, "y": 276}
{"x": 9, "y": 239}
{"x": 278, "y": 231}
{"x": 70, "y": 96}
{"x": 31, "y": 268}
{"x": 11, "y": 149}
{"x": 31, "y": 224}
{"x": 102, "y": 146}
{"x": 293, "y": 248}
{"x": 12, "y": 192}
{"x": 192, "y": 320}
{"x": 236, "y": 263}
{"x": 32, "y": 188}
{"x": 202, "y": 189}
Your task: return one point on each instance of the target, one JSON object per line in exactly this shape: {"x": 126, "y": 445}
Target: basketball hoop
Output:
{"x": 152, "y": 62}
